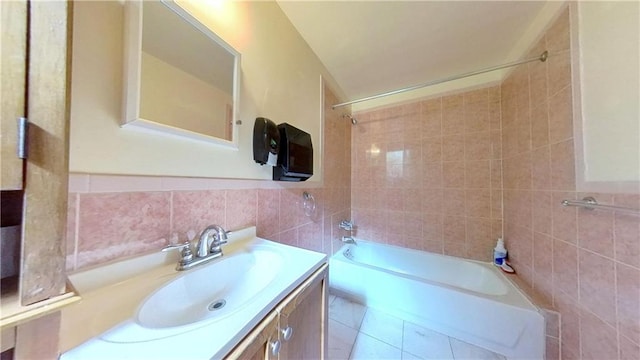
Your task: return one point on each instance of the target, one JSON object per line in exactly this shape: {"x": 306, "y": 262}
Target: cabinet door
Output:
{"x": 296, "y": 330}
{"x": 13, "y": 38}
{"x": 42, "y": 273}
{"x": 261, "y": 343}
{"x": 35, "y": 83}
{"x": 303, "y": 324}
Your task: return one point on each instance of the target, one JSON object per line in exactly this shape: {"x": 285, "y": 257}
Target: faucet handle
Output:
{"x": 346, "y": 225}
{"x": 184, "y": 248}
{"x": 218, "y": 241}
{"x": 222, "y": 235}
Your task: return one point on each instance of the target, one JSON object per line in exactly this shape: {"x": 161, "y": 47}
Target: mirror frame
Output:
{"x": 133, "y": 17}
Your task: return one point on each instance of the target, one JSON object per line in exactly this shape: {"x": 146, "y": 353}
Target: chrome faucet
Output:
{"x": 349, "y": 240}
{"x": 208, "y": 247}
{"x": 346, "y": 225}
{"x": 211, "y": 240}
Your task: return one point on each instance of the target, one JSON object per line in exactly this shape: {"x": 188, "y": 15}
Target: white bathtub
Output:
{"x": 469, "y": 300}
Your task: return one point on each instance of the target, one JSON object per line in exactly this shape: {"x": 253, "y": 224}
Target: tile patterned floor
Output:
{"x": 358, "y": 332}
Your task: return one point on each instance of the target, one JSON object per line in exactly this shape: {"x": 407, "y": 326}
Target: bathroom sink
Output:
{"x": 212, "y": 291}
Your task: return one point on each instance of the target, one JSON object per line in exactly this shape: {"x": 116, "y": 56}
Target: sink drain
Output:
{"x": 217, "y": 305}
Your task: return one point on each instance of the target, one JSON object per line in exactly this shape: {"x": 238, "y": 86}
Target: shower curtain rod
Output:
{"x": 542, "y": 58}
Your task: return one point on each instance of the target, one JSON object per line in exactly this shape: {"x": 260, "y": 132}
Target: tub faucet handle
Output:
{"x": 346, "y": 225}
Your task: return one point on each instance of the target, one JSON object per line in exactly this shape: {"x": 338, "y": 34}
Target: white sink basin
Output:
{"x": 212, "y": 291}
{"x": 151, "y": 311}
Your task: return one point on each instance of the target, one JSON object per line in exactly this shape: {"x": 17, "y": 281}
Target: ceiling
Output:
{"x": 372, "y": 47}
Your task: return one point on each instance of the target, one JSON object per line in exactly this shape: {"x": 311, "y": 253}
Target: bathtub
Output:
{"x": 465, "y": 299}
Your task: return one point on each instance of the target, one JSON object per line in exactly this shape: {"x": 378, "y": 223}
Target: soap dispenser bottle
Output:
{"x": 499, "y": 253}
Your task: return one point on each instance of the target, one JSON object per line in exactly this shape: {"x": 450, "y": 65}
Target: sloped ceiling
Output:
{"x": 372, "y": 47}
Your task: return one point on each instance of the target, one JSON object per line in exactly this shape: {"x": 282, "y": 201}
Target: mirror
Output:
{"x": 180, "y": 77}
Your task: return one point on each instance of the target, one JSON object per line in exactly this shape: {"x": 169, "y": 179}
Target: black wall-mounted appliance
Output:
{"x": 295, "y": 159}
{"x": 266, "y": 142}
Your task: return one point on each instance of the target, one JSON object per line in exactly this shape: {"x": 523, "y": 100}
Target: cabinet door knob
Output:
{"x": 287, "y": 333}
{"x": 275, "y": 347}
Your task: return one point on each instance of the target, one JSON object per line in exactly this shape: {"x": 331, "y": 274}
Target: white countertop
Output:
{"x": 103, "y": 325}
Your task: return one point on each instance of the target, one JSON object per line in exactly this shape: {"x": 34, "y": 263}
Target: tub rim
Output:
{"x": 522, "y": 301}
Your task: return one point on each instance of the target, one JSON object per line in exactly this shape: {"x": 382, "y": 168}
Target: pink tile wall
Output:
{"x": 116, "y": 225}
{"x": 144, "y": 217}
{"x": 586, "y": 263}
{"x": 428, "y": 175}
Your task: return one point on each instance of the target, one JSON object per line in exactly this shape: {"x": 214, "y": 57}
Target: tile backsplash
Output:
{"x": 110, "y": 226}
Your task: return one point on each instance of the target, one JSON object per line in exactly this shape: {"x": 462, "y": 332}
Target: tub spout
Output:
{"x": 349, "y": 240}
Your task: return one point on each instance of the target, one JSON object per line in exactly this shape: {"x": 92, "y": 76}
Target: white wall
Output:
{"x": 609, "y": 63}
{"x": 281, "y": 80}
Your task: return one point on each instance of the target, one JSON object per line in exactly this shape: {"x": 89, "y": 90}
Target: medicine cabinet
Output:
{"x": 180, "y": 77}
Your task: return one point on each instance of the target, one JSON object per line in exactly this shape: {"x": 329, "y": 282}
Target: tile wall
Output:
{"x": 586, "y": 263}
{"x": 436, "y": 174}
{"x": 428, "y": 175}
{"x": 112, "y": 217}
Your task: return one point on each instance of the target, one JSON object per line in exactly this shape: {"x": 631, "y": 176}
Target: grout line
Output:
{"x": 402, "y": 339}
{"x": 453, "y": 356}
{"x": 353, "y": 345}
{"x": 171, "y": 229}
{"x": 76, "y": 237}
{"x": 226, "y": 206}
{"x": 366, "y": 310}
{"x": 615, "y": 282}
{"x": 332, "y": 300}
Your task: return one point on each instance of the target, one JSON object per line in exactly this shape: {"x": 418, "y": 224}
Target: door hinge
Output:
{"x": 23, "y": 131}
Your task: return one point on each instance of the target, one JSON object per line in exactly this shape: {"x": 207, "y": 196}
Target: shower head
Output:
{"x": 353, "y": 120}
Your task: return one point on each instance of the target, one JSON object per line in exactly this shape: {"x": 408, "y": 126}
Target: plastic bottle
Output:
{"x": 499, "y": 253}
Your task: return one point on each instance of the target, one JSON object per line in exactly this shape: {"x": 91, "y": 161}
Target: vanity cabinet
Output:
{"x": 295, "y": 329}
